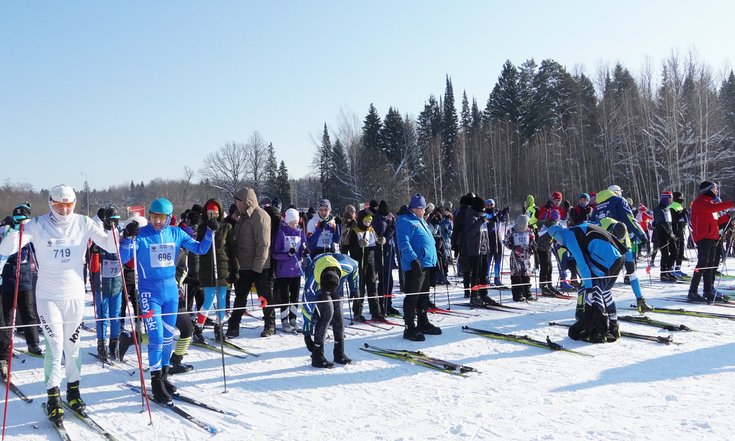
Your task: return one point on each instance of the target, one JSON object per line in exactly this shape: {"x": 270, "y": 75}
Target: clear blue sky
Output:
{"x": 137, "y": 90}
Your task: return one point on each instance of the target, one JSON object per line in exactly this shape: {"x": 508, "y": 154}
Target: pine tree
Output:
{"x": 283, "y": 186}
{"x": 371, "y": 128}
{"x": 270, "y": 174}
{"x": 392, "y": 138}
{"x": 727, "y": 99}
{"x": 325, "y": 162}
{"x": 504, "y": 103}
{"x": 342, "y": 186}
{"x": 450, "y": 130}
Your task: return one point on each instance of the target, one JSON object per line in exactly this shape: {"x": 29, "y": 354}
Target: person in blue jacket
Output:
{"x": 418, "y": 258}
{"x": 156, "y": 247}
{"x": 326, "y": 277}
{"x": 610, "y": 204}
{"x": 599, "y": 257}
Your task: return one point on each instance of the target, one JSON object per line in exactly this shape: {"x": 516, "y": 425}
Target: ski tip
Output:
{"x": 366, "y": 345}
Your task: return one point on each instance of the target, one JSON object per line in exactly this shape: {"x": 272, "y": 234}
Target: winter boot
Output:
{"x": 339, "y": 353}
{"x": 160, "y": 394}
{"x": 295, "y": 324}
{"x": 113, "y": 349}
{"x": 74, "y": 398}
{"x": 693, "y": 297}
{"x": 269, "y": 329}
{"x": 124, "y": 342}
{"x": 643, "y": 307}
{"x": 102, "y": 351}
{"x": 177, "y": 367}
{"x": 54, "y": 409}
{"x": 425, "y": 327}
{"x": 218, "y": 333}
{"x": 198, "y": 336}
{"x": 286, "y": 326}
{"x": 413, "y": 334}
{"x": 317, "y": 358}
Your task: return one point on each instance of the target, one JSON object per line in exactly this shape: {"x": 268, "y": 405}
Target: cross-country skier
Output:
{"x": 156, "y": 247}
{"x": 60, "y": 240}
{"x": 326, "y": 277}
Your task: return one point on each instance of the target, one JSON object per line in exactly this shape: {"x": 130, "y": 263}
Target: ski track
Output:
{"x": 629, "y": 390}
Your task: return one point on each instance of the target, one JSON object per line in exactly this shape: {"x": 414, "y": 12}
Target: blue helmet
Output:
{"x": 162, "y": 206}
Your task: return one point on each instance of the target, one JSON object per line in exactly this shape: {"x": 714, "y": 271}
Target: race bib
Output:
{"x": 60, "y": 250}
{"x": 325, "y": 239}
{"x": 110, "y": 269}
{"x": 521, "y": 239}
{"x": 292, "y": 242}
{"x": 162, "y": 255}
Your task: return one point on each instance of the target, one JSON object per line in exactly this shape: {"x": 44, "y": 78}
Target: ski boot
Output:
{"x": 74, "y": 398}
{"x": 693, "y": 297}
{"x": 177, "y": 367}
{"x": 270, "y": 329}
{"x": 124, "y": 342}
{"x": 393, "y": 312}
{"x": 102, "y": 351}
{"x": 339, "y": 353}
{"x": 160, "y": 394}
{"x": 54, "y": 409}
{"x": 425, "y": 327}
{"x": 643, "y": 307}
{"x": 4, "y": 369}
{"x": 113, "y": 349}
{"x": 198, "y": 336}
{"x": 170, "y": 388}
{"x": 35, "y": 349}
{"x": 295, "y": 324}
{"x": 497, "y": 282}
{"x": 566, "y": 286}
{"x": 218, "y": 333}
{"x": 317, "y": 358}
{"x": 486, "y": 300}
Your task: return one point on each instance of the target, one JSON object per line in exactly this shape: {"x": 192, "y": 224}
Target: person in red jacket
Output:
{"x": 705, "y": 233}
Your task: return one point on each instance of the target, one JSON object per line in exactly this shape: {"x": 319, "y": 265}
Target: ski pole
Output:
{"x": 219, "y": 311}
{"x": 144, "y": 395}
{"x": 12, "y": 324}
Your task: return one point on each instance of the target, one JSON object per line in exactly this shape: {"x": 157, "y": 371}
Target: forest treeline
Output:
{"x": 541, "y": 128}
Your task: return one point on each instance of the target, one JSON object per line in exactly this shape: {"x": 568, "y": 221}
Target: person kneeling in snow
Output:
{"x": 599, "y": 257}
{"x": 323, "y": 291}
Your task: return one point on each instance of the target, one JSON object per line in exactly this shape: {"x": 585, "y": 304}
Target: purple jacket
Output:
{"x": 286, "y": 238}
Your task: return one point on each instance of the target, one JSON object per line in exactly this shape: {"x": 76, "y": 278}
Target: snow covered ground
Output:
{"x": 629, "y": 390}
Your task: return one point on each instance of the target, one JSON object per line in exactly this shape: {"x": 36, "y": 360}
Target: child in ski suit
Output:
{"x": 520, "y": 240}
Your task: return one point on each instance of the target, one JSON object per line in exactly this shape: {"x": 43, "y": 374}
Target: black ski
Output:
{"x": 231, "y": 345}
{"x": 498, "y": 307}
{"x": 16, "y": 390}
{"x": 181, "y": 412}
{"x": 216, "y": 349}
{"x": 648, "y": 321}
{"x": 653, "y": 338}
{"x": 423, "y": 357}
{"x": 524, "y": 339}
{"x": 689, "y": 312}
{"x": 86, "y": 419}
{"x": 450, "y": 312}
{"x": 419, "y": 361}
{"x": 60, "y": 429}
{"x": 190, "y": 400}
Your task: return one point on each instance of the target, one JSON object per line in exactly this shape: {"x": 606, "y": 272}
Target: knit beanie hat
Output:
{"x": 521, "y": 223}
{"x": 478, "y": 204}
{"x": 324, "y": 203}
{"x": 706, "y": 186}
{"x": 678, "y": 197}
{"x": 557, "y": 195}
{"x": 383, "y": 208}
{"x": 292, "y": 215}
{"x": 417, "y": 201}
{"x": 349, "y": 209}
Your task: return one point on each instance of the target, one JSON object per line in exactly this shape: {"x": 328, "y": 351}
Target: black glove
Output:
{"x": 7, "y": 222}
{"x": 506, "y": 210}
{"x": 232, "y": 278}
{"x": 566, "y": 205}
{"x": 132, "y": 229}
{"x": 213, "y": 225}
{"x": 415, "y": 265}
{"x": 194, "y": 218}
{"x": 291, "y": 252}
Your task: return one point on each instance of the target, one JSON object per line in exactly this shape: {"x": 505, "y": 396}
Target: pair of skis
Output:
{"x": 689, "y": 312}
{"x": 625, "y": 334}
{"x": 83, "y": 417}
{"x": 523, "y": 339}
{"x": 185, "y": 414}
{"x": 420, "y": 359}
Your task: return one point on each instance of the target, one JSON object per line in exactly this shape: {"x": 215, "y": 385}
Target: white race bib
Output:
{"x": 110, "y": 269}
{"x": 162, "y": 255}
{"x": 60, "y": 251}
{"x": 325, "y": 239}
{"x": 520, "y": 239}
